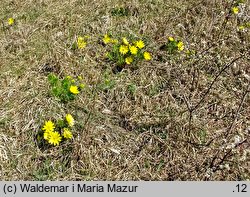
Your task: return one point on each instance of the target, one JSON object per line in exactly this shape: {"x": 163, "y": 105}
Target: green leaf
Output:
{"x": 53, "y": 80}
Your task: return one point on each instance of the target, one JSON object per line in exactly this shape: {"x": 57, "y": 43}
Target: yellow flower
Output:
{"x": 55, "y": 138}
{"x": 74, "y": 89}
{"x": 133, "y": 50}
{"x": 123, "y": 49}
{"x": 140, "y": 44}
{"x": 67, "y": 133}
{"x": 81, "y": 42}
{"x": 128, "y": 60}
{"x": 147, "y": 56}
{"x": 11, "y": 21}
{"x": 180, "y": 46}
{"x": 106, "y": 39}
{"x": 69, "y": 118}
{"x": 46, "y": 135}
{"x": 125, "y": 41}
{"x": 235, "y": 10}
{"x": 68, "y": 77}
{"x": 48, "y": 126}
{"x": 171, "y": 39}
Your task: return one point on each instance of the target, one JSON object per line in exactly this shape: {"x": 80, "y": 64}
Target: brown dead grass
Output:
{"x": 151, "y": 134}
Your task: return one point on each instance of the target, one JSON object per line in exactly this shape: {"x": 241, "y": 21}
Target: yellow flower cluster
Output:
{"x": 54, "y": 137}
{"x": 126, "y": 52}
{"x": 175, "y": 44}
{"x": 126, "y": 47}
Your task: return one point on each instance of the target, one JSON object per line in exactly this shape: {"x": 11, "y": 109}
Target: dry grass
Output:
{"x": 175, "y": 126}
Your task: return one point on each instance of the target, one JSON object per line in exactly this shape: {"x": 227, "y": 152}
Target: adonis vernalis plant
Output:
{"x": 173, "y": 45}
{"x": 56, "y": 132}
{"x": 124, "y": 52}
{"x": 65, "y": 89}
